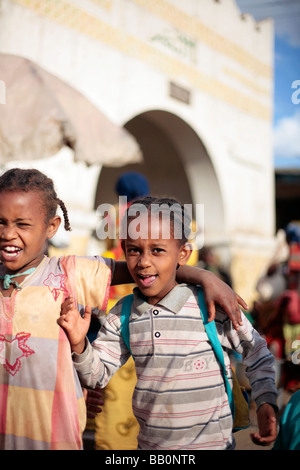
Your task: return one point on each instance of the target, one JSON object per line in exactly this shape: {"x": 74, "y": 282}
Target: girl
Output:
{"x": 41, "y": 400}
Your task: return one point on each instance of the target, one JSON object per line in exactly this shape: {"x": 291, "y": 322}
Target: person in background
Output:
{"x": 276, "y": 312}
{"x": 288, "y": 437}
{"x": 208, "y": 260}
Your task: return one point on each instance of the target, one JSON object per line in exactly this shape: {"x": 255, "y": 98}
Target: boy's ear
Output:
{"x": 53, "y": 226}
{"x": 185, "y": 253}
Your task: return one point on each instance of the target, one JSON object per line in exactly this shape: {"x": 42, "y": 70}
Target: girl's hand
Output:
{"x": 74, "y": 324}
{"x": 216, "y": 292}
{"x": 94, "y": 401}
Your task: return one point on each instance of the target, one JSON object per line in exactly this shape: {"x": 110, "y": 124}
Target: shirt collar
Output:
{"x": 173, "y": 301}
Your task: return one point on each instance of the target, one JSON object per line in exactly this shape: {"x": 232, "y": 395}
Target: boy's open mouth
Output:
{"x": 147, "y": 279}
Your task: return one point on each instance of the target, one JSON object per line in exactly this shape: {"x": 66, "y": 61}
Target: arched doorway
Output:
{"x": 176, "y": 163}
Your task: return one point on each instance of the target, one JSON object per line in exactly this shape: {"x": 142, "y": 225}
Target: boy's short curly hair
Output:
{"x": 180, "y": 219}
{"x": 17, "y": 179}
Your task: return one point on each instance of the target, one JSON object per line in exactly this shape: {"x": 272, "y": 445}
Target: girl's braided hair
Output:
{"x": 18, "y": 179}
{"x": 179, "y": 217}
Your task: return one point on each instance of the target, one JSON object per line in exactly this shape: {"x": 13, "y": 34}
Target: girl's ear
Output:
{"x": 184, "y": 253}
{"x": 53, "y": 226}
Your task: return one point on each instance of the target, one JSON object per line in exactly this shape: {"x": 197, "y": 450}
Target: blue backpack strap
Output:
{"x": 210, "y": 328}
{"x": 211, "y": 331}
{"x": 125, "y": 314}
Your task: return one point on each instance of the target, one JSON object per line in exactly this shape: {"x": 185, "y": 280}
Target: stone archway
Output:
{"x": 177, "y": 164}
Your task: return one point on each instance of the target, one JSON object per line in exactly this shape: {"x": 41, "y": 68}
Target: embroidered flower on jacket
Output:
{"x": 11, "y": 352}
{"x": 56, "y": 284}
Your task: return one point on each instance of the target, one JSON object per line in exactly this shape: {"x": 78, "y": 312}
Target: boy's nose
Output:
{"x": 144, "y": 260}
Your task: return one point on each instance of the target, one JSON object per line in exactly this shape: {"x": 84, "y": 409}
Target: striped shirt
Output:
{"x": 179, "y": 400}
{"x": 42, "y": 405}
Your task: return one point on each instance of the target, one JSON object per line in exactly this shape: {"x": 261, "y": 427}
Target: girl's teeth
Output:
{"x": 11, "y": 250}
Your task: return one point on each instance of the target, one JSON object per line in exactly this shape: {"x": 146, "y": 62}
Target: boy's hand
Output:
{"x": 267, "y": 426}
{"x": 74, "y": 324}
{"x": 218, "y": 292}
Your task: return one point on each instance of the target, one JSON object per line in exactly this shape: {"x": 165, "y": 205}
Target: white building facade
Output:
{"x": 193, "y": 82}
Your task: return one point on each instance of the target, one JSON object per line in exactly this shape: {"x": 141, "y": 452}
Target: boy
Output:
{"x": 179, "y": 400}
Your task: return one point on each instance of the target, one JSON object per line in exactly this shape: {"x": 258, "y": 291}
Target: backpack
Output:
{"x": 237, "y": 396}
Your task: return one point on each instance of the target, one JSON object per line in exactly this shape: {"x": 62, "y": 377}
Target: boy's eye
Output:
{"x": 132, "y": 250}
{"x": 158, "y": 250}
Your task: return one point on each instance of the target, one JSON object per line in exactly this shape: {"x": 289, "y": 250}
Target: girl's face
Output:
{"x": 23, "y": 229}
{"x": 152, "y": 262}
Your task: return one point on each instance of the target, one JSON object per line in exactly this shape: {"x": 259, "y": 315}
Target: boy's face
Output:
{"x": 153, "y": 262}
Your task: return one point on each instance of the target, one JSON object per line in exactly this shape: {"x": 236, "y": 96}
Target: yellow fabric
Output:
{"x": 40, "y": 416}
{"x": 241, "y": 416}
{"x": 116, "y": 428}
